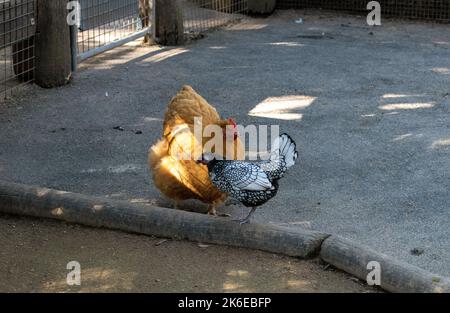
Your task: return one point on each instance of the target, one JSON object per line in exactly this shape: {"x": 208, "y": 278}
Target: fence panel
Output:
{"x": 106, "y": 24}
{"x": 17, "y": 50}
{"x": 436, "y": 10}
{"x": 202, "y": 15}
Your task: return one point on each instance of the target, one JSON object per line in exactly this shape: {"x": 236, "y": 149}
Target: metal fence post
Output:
{"x": 74, "y": 46}
{"x": 169, "y": 22}
{"x": 53, "y": 50}
{"x": 153, "y": 20}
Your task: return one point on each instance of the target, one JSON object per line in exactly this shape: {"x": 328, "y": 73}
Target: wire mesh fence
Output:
{"x": 202, "y": 15}
{"x": 17, "y": 50}
{"x": 107, "y": 21}
{"x": 437, "y": 10}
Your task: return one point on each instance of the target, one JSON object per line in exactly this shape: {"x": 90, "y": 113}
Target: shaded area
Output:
{"x": 435, "y": 10}
{"x": 120, "y": 262}
{"x": 203, "y": 15}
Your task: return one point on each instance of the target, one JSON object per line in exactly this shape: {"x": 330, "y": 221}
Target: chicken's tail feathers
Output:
{"x": 288, "y": 149}
{"x": 156, "y": 152}
{"x": 285, "y": 147}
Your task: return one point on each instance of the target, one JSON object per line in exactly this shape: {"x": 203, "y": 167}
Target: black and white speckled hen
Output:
{"x": 252, "y": 184}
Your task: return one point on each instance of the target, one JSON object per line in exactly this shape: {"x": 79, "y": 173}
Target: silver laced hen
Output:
{"x": 253, "y": 184}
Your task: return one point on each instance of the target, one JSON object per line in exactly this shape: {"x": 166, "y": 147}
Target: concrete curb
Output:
{"x": 396, "y": 276}
{"x": 150, "y": 220}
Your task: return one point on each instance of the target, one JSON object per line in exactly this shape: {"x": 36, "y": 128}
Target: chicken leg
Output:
{"x": 247, "y": 219}
{"x": 212, "y": 210}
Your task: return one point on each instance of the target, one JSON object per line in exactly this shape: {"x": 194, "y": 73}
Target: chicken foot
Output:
{"x": 212, "y": 211}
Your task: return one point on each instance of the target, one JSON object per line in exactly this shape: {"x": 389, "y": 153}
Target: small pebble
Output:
{"x": 417, "y": 251}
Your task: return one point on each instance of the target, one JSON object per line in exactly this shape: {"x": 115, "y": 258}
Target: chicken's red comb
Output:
{"x": 232, "y": 122}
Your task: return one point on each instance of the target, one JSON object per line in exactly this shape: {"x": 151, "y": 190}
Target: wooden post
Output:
{"x": 53, "y": 51}
{"x": 169, "y": 22}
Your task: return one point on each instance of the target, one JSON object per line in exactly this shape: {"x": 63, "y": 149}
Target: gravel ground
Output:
{"x": 372, "y": 123}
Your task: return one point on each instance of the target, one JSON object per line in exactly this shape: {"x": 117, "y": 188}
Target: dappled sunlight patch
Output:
{"x": 404, "y": 102}
{"x": 139, "y": 200}
{"x": 406, "y": 106}
{"x": 153, "y": 119}
{"x": 441, "y": 70}
{"x": 163, "y": 55}
{"x": 440, "y": 143}
{"x": 248, "y": 25}
{"x": 296, "y": 283}
{"x": 281, "y": 107}
{"x": 401, "y": 137}
{"x": 94, "y": 280}
{"x": 119, "y": 56}
{"x": 235, "y": 281}
{"x": 238, "y": 273}
{"x": 217, "y": 47}
{"x": 394, "y": 95}
{"x": 231, "y": 286}
{"x": 287, "y": 44}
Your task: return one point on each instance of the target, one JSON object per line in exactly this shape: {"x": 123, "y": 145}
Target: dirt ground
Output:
{"x": 34, "y": 255}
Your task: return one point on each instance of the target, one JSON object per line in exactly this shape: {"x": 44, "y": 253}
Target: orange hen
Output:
{"x": 180, "y": 178}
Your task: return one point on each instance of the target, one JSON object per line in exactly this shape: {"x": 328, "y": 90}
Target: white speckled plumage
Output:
{"x": 253, "y": 184}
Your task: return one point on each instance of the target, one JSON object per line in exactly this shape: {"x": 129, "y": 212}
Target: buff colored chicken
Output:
{"x": 180, "y": 177}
